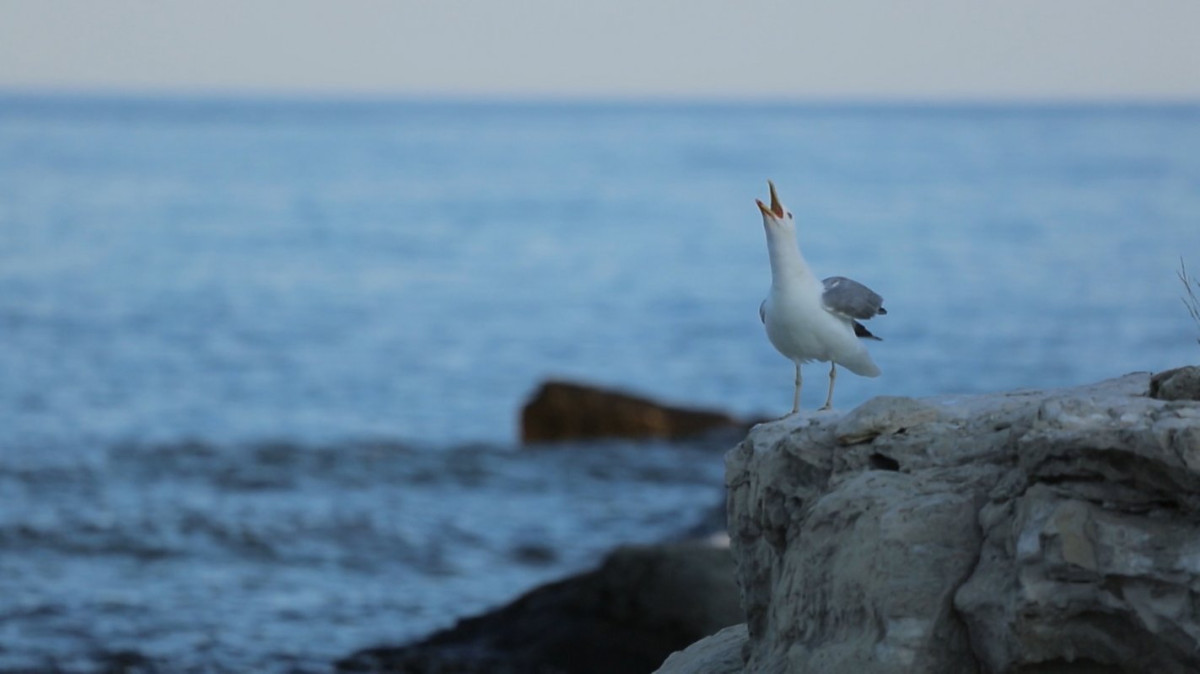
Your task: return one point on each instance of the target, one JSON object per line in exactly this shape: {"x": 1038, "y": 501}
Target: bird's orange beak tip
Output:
{"x": 776, "y": 208}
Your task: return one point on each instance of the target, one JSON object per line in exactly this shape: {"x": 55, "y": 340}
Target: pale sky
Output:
{"x": 840, "y": 49}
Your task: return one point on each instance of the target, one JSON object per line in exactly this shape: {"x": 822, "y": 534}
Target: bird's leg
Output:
{"x": 796, "y": 395}
{"x": 832, "y": 378}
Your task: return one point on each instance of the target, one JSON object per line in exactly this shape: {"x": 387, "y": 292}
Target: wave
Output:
{"x": 183, "y": 551}
{"x": 343, "y": 503}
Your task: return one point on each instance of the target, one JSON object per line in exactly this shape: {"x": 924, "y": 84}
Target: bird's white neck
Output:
{"x": 787, "y": 263}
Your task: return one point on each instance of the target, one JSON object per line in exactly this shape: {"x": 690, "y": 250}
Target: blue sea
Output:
{"x": 261, "y": 360}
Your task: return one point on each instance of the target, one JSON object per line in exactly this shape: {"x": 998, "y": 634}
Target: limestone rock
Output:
{"x": 627, "y": 616}
{"x": 561, "y": 411}
{"x": 1032, "y": 531}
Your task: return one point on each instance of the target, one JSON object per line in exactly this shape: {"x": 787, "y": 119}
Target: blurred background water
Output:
{"x": 261, "y": 360}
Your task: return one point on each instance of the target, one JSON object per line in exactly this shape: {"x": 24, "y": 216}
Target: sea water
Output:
{"x": 261, "y": 361}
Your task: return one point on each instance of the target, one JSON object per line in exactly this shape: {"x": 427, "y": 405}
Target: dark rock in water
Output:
{"x": 1182, "y": 383}
{"x": 625, "y": 617}
{"x": 534, "y": 554}
{"x": 562, "y": 411}
{"x": 1019, "y": 533}
{"x": 127, "y": 662}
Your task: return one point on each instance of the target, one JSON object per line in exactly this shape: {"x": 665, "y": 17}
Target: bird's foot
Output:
{"x": 824, "y": 408}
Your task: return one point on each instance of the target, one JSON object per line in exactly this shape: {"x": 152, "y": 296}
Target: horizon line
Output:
{"x": 314, "y": 96}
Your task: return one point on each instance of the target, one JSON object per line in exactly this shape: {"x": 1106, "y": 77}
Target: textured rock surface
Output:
{"x": 1035, "y": 531}
{"x": 1182, "y": 383}
{"x": 643, "y": 603}
{"x": 719, "y": 654}
{"x": 565, "y": 411}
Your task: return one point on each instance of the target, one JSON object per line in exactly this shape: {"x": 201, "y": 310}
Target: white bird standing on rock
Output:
{"x": 807, "y": 319}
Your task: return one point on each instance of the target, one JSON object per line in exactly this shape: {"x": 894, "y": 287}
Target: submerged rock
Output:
{"x": 1032, "y": 531}
{"x": 561, "y": 411}
{"x": 643, "y": 603}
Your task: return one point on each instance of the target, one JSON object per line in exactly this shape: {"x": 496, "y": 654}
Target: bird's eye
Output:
{"x": 790, "y": 215}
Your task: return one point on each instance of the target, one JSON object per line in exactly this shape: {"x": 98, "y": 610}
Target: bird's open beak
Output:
{"x": 776, "y": 209}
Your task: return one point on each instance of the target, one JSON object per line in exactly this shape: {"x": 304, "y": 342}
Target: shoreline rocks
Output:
{"x": 1030, "y": 531}
{"x": 560, "y": 411}
{"x": 1024, "y": 532}
{"x": 626, "y": 616}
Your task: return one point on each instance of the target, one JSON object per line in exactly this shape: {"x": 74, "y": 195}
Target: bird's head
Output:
{"x": 776, "y": 218}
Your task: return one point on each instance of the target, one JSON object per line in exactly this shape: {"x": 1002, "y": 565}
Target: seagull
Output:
{"x": 809, "y": 320}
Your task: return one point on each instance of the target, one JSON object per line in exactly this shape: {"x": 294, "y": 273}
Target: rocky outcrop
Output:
{"x": 1182, "y": 383}
{"x": 1033, "y": 531}
{"x": 643, "y": 603}
{"x": 561, "y": 411}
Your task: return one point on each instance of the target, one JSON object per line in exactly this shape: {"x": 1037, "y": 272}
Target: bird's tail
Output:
{"x": 861, "y": 365}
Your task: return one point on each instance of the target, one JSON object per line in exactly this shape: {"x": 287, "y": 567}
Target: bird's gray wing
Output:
{"x": 762, "y": 312}
{"x": 851, "y": 298}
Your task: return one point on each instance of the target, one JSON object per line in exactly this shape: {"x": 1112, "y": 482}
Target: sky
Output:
{"x": 789, "y": 49}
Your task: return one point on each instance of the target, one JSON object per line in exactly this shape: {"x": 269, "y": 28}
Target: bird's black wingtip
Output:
{"x": 861, "y": 330}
